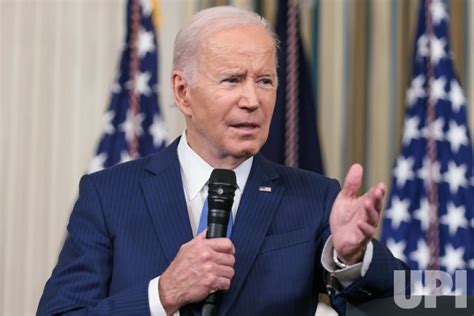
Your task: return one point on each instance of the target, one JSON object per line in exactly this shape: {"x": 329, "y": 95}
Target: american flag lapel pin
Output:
{"x": 265, "y": 189}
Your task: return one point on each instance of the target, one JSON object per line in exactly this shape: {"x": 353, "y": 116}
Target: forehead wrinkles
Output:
{"x": 223, "y": 53}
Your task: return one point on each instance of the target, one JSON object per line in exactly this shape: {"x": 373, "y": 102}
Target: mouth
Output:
{"x": 246, "y": 126}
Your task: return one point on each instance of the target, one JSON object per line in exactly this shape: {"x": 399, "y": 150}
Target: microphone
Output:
{"x": 222, "y": 185}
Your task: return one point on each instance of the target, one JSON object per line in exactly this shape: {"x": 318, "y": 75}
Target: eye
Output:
{"x": 266, "y": 81}
{"x": 233, "y": 79}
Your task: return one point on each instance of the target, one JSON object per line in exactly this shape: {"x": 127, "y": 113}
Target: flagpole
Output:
{"x": 133, "y": 73}
{"x": 292, "y": 49}
{"x": 432, "y": 188}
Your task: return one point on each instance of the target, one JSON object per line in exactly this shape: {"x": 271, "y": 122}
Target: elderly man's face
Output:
{"x": 231, "y": 105}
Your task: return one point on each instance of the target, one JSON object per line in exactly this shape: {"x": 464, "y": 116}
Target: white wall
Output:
{"x": 58, "y": 60}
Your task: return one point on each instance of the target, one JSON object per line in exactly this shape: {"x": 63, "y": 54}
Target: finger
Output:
{"x": 376, "y": 197}
{"x": 371, "y": 215}
{"x": 216, "y": 283}
{"x": 223, "y": 245}
{"x": 222, "y": 284}
{"x": 372, "y": 203}
{"x": 225, "y": 272}
{"x": 225, "y": 259}
{"x": 353, "y": 181}
{"x": 379, "y": 194}
{"x": 366, "y": 229}
{"x": 212, "y": 270}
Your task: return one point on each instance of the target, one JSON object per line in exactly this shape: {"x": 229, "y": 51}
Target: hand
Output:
{"x": 354, "y": 219}
{"x": 202, "y": 266}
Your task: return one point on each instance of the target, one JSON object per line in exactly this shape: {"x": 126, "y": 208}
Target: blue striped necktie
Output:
{"x": 203, "y": 220}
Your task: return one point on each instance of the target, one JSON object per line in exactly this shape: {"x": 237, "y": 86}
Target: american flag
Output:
{"x": 429, "y": 220}
{"x": 134, "y": 126}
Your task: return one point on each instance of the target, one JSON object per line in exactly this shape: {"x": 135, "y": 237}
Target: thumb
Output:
{"x": 353, "y": 180}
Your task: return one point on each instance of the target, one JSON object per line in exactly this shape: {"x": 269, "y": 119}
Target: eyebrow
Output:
{"x": 243, "y": 73}
{"x": 232, "y": 73}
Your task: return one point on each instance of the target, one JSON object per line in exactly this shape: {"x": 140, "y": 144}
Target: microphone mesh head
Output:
{"x": 223, "y": 176}
{"x": 222, "y": 185}
{"x": 221, "y": 190}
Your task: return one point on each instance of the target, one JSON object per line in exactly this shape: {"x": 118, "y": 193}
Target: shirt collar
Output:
{"x": 196, "y": 171}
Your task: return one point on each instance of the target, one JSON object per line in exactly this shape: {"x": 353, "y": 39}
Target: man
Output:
{"x": 130, "y": 248}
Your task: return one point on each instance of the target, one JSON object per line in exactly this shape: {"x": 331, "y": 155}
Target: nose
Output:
{"x": 250, "y": 99}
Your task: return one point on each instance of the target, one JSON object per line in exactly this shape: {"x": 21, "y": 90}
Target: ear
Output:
{"x": 181, "y": 92}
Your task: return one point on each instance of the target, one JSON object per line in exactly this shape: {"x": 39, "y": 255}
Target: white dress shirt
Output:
{"x": 195, "y": 173}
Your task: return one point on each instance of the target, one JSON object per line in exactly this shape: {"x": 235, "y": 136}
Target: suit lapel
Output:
{"x": 165, "y": 199}
{"x": 164, "y": 196}
{"x": 255, "y": 214}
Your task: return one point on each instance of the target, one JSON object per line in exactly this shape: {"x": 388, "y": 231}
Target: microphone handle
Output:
{"x": 217, "y": 228}
{"x": 209, "y": 306}
{"x": 217, "y": 223}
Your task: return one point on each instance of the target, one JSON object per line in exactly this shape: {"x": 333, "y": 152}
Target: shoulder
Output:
{"x": 292, "y": 177}
{"x": 127, "y": 171}
{"x": 137, "y": 169}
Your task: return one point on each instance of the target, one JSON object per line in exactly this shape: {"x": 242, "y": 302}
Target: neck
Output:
{"x": 230, "y": 163}
{"x": 216, "y": 160}
{"x": 221, "y": 162}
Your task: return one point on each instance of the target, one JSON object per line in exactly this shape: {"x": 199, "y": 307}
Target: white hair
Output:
{"x": 206, "y": 22}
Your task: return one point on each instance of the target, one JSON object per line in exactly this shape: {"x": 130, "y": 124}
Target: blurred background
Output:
{"x": 58, "y": 65}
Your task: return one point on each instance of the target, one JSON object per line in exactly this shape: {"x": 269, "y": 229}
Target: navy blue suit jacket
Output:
{"x": 130, "y": 221}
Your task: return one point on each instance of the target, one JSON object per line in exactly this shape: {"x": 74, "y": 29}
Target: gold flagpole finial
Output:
{"x": 155, "y": 14}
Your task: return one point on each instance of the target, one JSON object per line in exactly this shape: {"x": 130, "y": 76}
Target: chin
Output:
{"x": 246, "y": 152}
{"x": 244, "y": 148}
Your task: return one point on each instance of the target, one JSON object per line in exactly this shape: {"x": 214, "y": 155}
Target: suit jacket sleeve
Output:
{"x": 80, "y": 281}
{"x": 377, "y": 282}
